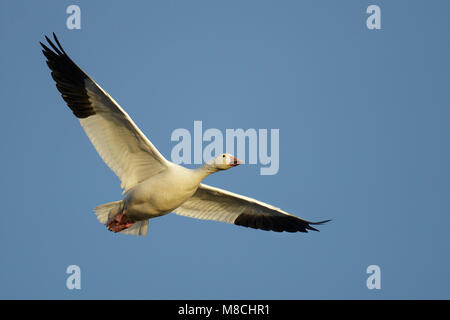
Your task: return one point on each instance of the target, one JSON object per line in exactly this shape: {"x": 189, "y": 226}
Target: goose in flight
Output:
{"x": 153, "y": 186}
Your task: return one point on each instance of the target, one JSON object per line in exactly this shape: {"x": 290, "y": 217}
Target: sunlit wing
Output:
{"x": 120, "y": 143}
{"x": 211, "y": 203}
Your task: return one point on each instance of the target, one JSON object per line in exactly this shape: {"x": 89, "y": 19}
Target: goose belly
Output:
{"x": 156, "y": 197}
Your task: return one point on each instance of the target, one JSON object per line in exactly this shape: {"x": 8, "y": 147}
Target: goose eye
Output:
{"x": 223, "y": 156}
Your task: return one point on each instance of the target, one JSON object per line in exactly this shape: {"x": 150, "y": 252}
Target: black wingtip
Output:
{"x": 58, "y": 49}
{"x": 316, "y": 223}
{"x": 59, "y": 44}
{"x": 320, "y": 222}
{"x": 69, "y": 78}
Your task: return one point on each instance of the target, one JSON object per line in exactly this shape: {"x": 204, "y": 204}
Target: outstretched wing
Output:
{"x": 120, "y": 143}
{"x": 211, "y": 203}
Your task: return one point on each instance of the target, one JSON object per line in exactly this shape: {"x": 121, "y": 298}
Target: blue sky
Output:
{"x": 363, "y": 118}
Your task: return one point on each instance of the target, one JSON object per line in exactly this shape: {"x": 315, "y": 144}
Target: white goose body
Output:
{"x": 152, "y": 185}
{"x": 162, "y": 193}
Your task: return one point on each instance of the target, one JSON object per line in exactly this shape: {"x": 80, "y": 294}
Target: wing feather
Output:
{"x": 117, "y": 139}
{"x": 210, "y": 203}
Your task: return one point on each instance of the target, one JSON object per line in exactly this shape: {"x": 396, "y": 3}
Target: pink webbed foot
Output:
{"x": 119, "y": 222}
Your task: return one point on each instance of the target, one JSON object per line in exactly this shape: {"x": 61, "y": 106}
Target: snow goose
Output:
{"x": 153, "y": 186}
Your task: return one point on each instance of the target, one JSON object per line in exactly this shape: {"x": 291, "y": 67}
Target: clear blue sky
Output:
{"x": 364, "y": 140}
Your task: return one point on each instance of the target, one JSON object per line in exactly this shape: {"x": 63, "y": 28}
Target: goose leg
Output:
{"x": 119, "y": 222}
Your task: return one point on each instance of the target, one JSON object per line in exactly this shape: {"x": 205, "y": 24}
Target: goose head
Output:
{"x": 224, "y": 161}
